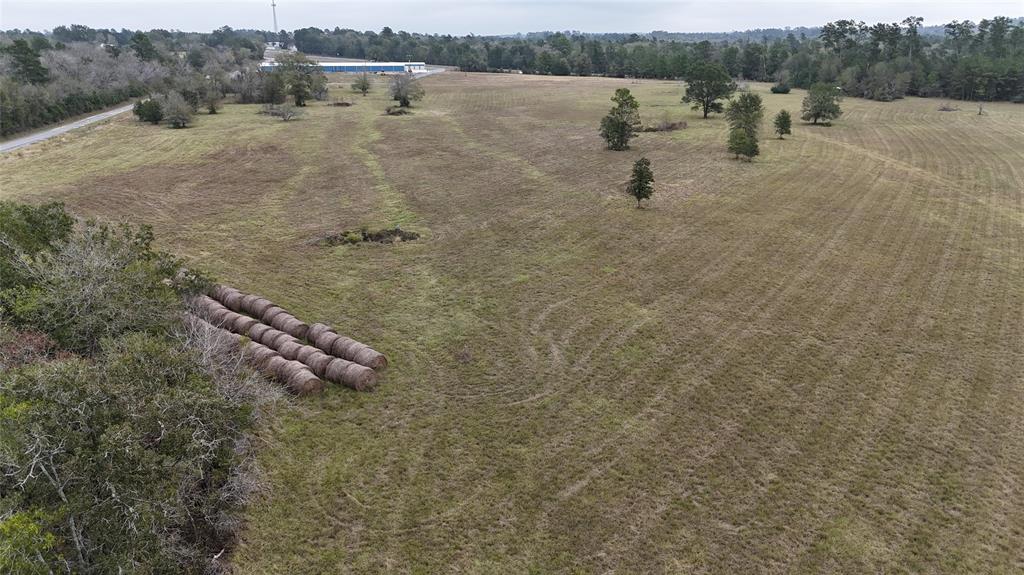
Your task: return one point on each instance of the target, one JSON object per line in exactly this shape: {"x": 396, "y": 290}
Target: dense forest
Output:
{"x": 883, "y": 61}
{"x": 46, "y": 78}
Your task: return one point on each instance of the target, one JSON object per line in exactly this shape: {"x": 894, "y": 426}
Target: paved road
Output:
{"x": 62, "y": 129}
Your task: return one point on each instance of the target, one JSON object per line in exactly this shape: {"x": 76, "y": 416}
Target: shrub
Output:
{"x": 177, "y": 112}
{"x": 100, "y": 281}
{"x": 148, "y": 111}
{"x": 405, "y": 90}
{"x": 287, "y": 112}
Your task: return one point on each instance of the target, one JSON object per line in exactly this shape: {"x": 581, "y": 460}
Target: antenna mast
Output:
{"x": 273, "y": 6}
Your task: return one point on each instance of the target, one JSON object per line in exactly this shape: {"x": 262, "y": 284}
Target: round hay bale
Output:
{"x": 318, "y": 362}
{"x": 247, "y": 301}
{"x": 256, "y": 331}
{"x": 316, "y": 329}
{"x": 230, "y": 318}
{"x": 279, "y": 320}
{"x": 335, "y": 370}
{"x": 325, "y": 341}
{"x": 218, "y": 315}
{"x": 298, "y": 329}
{"x": 289, "y": 349}
{"x": 305, "y": 352}
{"x": 218, "y": 291}
{"x": 345, "y": 347}
{"x": 270, "y": 313}
{"x": 280, "y": 339}
{"x": 299, "y": 379}
{"x": 355, "y": 376}
{"x": 293, "y": 326}
{"x": 207, "y": 303}
{"x": 260, "y": 355}
{"x": 243, "y": 323}
{"x": 233, "y": 301}
{"x": 275, "y": 364}
{"x": 260, "y": 306}
{"x": 370, "y": 358}
{"x": 360, "y": 378}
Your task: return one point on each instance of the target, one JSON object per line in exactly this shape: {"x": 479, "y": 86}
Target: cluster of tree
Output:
{"x": 75, "y": 70}
{"x": 122, "y": 426}
{"x": 883, "y": 61}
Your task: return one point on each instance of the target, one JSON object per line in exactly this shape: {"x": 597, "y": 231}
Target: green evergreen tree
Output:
{"x": 746, "y": 113}
{"x": 25, "y": 63}
{"x": 641, "y": 183}
{"x": 622, "y": 121}
{"x": 742, "y": 144}
{"x": 783, "y": 123}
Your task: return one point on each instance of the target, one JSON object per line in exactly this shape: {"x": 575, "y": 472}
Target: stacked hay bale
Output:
{"x": 296, "y": 376}
{"x": 332, "y": 357}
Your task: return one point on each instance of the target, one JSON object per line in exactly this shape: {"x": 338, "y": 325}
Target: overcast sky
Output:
{"x": 488, "y": 16}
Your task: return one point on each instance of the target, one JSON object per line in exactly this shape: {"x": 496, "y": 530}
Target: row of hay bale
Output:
{"x": 320, "y": 335}
{"x": 297, "y": 377}
{"x": 327, "y": 359}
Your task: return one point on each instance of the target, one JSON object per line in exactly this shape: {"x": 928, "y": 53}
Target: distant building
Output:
{"x": 360, "y": 67}
{"x": 273, "y": 46}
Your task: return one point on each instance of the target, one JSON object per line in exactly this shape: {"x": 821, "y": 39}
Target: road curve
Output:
{"x": 62, "y": 129}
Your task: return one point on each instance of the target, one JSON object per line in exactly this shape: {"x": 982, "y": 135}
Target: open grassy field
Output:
{"x": 810, "y": 363}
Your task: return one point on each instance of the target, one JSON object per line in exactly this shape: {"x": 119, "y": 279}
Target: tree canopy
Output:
{"x": 622, "y": 121}
{"x": 706, "y": 84}
{"x": 821, "y": 103}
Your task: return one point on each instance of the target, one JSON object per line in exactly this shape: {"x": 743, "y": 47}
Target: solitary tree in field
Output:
{"x": 362, "y": 84}
{"x": 741, "y": 144}
{"x": 622, "y": 121}
{"x": 405, "y": 90}
{"x": 821, "y": 103}
{"x": 641, "y": 183}
{"x": 745, "y": 113}
{"x": 706, "y": 84}
{"x": 782, "y": 124}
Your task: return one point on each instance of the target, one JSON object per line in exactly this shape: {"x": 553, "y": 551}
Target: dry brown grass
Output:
{"x": 811, "y": 363}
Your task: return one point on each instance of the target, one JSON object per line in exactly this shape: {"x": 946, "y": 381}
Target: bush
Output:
{"x": 24, "y": 232}
{"x": 133, "y": 459}
{"x": 148, "y": 111}
{"x": 142, "y": 443}
{"x": 101, "y": 281}
{"x": 176, "y": 110}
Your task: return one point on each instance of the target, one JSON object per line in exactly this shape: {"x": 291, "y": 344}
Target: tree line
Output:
{"x": 46, "y": 78}
{"x": 883, "y": 61}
